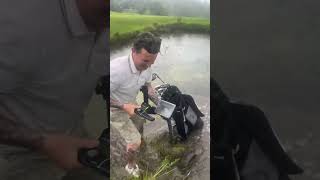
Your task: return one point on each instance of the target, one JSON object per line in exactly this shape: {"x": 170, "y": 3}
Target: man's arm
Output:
{"x": 127, "y": 107}
{"x": 115, "y": 104}
{"x": 60, "y": 148}
{"x": 13, "y": 134}
{"x": 152, "y": 94}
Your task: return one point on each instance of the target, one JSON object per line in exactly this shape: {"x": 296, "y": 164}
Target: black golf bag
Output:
{"x": 240, "y": 131}
{"x": 186, "y": 115}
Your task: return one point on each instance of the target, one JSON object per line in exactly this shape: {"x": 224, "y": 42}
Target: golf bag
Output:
{"x": 245, "y": 145}
{"x": 186, "y": 115}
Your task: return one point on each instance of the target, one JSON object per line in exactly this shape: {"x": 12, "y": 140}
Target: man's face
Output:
{"x": 142, "y": 60}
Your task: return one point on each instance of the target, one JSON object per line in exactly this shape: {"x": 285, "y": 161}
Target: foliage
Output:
{"x": 191, "y": 8}
{"x": 166, "y": 167}
{"x": 125, "y": 26}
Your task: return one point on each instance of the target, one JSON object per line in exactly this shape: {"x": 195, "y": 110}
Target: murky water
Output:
{"x": 184, "y": 61}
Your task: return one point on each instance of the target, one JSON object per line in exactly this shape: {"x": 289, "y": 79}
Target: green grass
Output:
{"x": 170, "y": 155}
{"x": 122, "y": 23}
{"x": 165, "y": 168}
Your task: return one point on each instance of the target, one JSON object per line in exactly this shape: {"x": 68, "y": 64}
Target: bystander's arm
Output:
{"x": 60, "y": 148}
{"x": 16, "y": 135}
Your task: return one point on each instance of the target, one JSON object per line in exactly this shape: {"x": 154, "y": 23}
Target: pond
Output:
{"x": 183, "y": 60}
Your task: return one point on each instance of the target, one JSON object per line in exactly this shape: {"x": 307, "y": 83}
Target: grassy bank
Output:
{"x": 125, "y": 26}
{"x": 170, "y": 162}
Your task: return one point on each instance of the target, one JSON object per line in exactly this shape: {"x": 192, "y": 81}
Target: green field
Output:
{"x": 123, "y": 23}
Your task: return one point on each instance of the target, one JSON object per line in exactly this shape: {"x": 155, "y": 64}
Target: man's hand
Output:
{"x": 63, "y": 149}
{"x": 129, "y": 108}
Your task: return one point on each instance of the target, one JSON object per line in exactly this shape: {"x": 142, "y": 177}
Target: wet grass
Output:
{"x": 170, "y": 155}
{"x": 122, "y": 23}
{"x": 165, "y": 168}
{"x": 169, "y": 150}
{"x": 124, "y": 27}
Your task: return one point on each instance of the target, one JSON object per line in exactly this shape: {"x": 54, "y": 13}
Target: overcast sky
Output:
{"x": 204, "y": 0}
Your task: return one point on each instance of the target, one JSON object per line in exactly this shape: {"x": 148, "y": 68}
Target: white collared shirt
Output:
{"x": 126, "y": 80}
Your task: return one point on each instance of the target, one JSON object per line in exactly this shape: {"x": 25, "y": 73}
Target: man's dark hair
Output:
{"x": 148, "y": 41}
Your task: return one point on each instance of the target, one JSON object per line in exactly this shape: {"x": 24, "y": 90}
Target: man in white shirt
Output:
{"x": 52, "y": 54}
{"x": 127, "y": 75}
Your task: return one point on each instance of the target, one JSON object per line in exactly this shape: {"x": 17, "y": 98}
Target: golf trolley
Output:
{"x": 177, "y": 109}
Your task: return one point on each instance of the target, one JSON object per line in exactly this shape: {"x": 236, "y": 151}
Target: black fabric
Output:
{"x": 232, "y": 136}
{"x": 172, "y": 95}
{"x": 236, "y": 124}
{"x": 224, "y": 169}
{"x": 189, "y": 101}
{"x": 182, "y": 102}
{"x": 178, "y": 117}
{"x": 251, "y": 123}
{"x": 259, "y": 127}
{"x": 284, "y": 177}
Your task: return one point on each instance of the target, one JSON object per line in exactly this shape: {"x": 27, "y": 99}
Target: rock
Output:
{"x": 157, "y": 147}
{"x": 148, "y": 158}
{"x": 117, "y": 154}
{"x": 152, "y": 130}
{"x": 186, "y": 161}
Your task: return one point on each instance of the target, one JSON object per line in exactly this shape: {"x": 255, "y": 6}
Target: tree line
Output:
{"x": 189, "y": 8}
